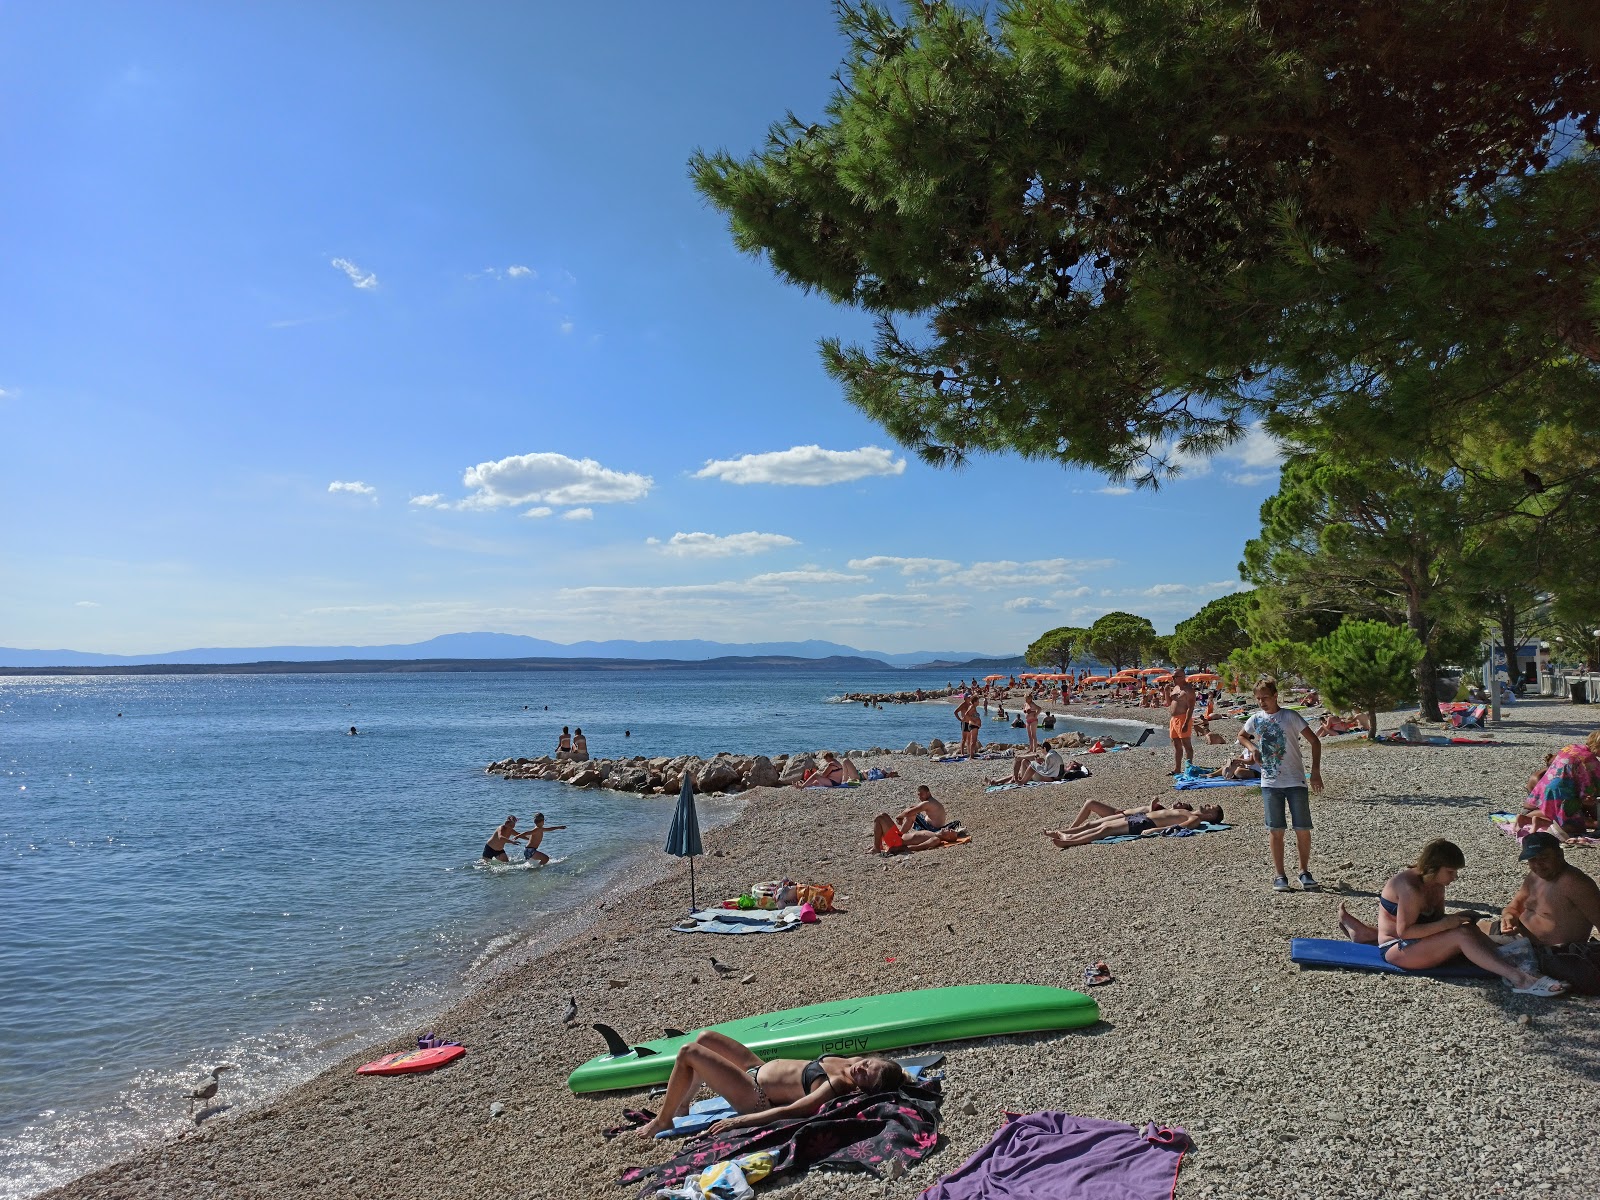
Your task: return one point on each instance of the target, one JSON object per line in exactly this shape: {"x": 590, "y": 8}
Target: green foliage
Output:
{"x": 1282, "y": 658}
{"x": 1366, "y": 665}
{"x": 1160, "y": 649}
{"x": 1376, "y": 538}
{"x": 1215, "y": 632}
{"x": 1101, "y": 231}
{"x": 1057, "y": 648}
{"x": 1119, "y": 638}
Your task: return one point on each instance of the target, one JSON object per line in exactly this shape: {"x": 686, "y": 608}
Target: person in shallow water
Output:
{"x": 534, "y": 838}
{"x": 494, "y": 850}
{"x": 764, "y": 1092}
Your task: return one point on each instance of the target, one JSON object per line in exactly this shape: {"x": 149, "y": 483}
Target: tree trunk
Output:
{"x": 1427, "y": 670}
{"x": 1508, "y": 636}
{"x": 1372, "y": 722}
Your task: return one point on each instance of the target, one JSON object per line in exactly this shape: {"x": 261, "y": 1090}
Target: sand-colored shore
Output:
{"x": 1294, "y": 1084}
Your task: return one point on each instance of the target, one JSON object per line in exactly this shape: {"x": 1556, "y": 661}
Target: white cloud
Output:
{"x": 566, "y": 326}
{"x": 431, "y": 500}
{"x": 1114, "y": 489}
{"x": 906, "y": 566}
{"x": 352, "y": 486}
{"x": 1028, "y": 604}
{"x": 574, "y": 514}
{"x": 543, "y": 510}
{"x": 1168, "y": 589}
{"x": 1041, "y": 572}
{"x": 7, "y": 395}
{"x": 809, "y": 466}
{"x": 1257, "y": 448}
{"x": 1248, "y": 478}
{"x": 711, "y": 545}
{"x": 364, "y": 280}
{"x": 518, "y": 271}
{"x": 1076, "y": 593}
{"x": 550, "y": 479}
{"x": 807, "y": 575}
{"x": 86, "y": 604}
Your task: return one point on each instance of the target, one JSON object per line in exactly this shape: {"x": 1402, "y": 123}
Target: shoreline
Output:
{"x": 432, "y": 1135}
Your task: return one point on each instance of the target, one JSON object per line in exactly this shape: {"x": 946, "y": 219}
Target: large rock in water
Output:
{"x": 716, "y": 776}
{"x": 762, "y": 772}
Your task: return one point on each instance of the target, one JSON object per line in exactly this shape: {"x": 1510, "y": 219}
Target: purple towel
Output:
{"x": 1056, "y": 1156}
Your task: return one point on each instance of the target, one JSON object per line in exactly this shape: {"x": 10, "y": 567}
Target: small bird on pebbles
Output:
{"x": 722, "y": 969}
{"x": 571, "y": 1013}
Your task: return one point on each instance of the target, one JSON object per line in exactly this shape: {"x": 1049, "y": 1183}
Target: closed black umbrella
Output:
{"x": 683, "y": 839}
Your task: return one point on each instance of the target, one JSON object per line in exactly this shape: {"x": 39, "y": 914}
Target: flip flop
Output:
{"x": 1097, "y": 975}
{"x": 632, "y": 1118}
{"x": 1542, "y": 986}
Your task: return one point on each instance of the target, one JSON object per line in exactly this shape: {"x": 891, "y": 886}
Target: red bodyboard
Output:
{"x": 411, "y": 1061}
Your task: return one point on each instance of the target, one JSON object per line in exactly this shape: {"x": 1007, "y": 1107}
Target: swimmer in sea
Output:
{"x": 535, "y": 836}
{"x": 494, "y": 850}
{"x": 352, "y": 732}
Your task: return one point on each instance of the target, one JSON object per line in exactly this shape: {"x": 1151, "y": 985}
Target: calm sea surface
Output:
{"x": 205, "y": 869}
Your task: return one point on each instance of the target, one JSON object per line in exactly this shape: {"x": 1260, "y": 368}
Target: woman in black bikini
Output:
{"x": 1415, "y": 933}
{"x": 764, "y": 1092}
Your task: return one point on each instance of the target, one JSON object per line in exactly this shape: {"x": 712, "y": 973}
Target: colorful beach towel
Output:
{"x": 853, "y": 1133}
{"x": 1057, "y": 1156}
{"x": 1006, "y": 787}
{"x": 1569, "y": 784}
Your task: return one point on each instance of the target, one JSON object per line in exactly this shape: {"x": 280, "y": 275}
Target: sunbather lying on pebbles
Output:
{"x": 1135, "y": 823}
{"x": 764, "y": 1092}
{"x": 888, "y": 838}
{"x": 1414, "y": 931}
{"x": 1094, "y": 810}
{"x": 1026, "y": 768}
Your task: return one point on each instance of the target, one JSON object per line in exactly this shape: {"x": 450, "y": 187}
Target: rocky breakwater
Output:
{"x": 722, "y": 774}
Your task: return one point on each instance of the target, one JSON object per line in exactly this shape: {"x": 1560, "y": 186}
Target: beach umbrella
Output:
{"x": 683, "y": 838}
{"x": 992, "y": 678}
{"x": 1205, "y": 675}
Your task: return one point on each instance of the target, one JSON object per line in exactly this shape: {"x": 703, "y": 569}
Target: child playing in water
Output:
{"x": 533, "y": 837}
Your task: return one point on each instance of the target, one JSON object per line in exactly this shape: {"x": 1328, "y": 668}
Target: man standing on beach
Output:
{"x": 1274, "y": 735}
{"x": 1180, "y": 725}
{"x": 1558, "y": 910}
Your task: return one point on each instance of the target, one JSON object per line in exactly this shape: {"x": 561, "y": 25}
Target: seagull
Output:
{"x": 207, "y": 1090}
{"x": 722, "y": 968}
{"x": 571, "y": 1013}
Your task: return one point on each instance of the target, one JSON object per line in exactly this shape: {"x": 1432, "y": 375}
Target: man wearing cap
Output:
{"x": 1558, "y": 910}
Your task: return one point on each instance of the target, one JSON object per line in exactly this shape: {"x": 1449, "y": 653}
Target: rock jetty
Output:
{"x": 721, "y": 774}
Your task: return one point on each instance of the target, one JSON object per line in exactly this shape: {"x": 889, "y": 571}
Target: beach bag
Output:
{"x": 818, "y": 895}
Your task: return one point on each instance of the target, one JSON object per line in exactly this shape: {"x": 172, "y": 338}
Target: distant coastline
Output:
{"x": 370, "y": 666}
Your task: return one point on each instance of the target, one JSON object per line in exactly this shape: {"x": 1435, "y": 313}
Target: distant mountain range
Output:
{"x": 458, "y": 647}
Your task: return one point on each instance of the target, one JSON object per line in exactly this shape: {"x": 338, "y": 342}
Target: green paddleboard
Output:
{"x": 868, "y": 1025}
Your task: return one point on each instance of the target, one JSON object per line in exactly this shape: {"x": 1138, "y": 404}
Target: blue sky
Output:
{"x": 362, "y": 323}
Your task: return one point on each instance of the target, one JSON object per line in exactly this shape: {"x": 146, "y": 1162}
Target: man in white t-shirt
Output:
{"x": 1274, "y": 735}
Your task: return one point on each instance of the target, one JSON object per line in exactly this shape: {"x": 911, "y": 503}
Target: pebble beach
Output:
{"x": 1292, "y": 1083}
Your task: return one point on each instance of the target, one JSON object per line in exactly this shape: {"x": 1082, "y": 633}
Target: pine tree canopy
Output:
{"x": 1107, "y": 232}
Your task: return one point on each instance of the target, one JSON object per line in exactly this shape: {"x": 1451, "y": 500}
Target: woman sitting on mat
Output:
{"x": 1415, "y": 934}
{"x": 765, "y": 1092}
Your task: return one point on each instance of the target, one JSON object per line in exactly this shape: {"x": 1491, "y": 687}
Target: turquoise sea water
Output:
{"x": 204, "y": 869}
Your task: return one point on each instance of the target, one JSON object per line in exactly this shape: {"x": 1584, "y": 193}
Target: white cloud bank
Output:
{"x": 711, "y": 545}
{"x": 549, "y": 479}
{"x": 364, "y": 280}
{"x": 1028, "y": 604}
{"x": 906, "y": 566}
{"x": 804, "y": 466}
{"x": 573, "y": 514}
{"x": 353, "y": 487}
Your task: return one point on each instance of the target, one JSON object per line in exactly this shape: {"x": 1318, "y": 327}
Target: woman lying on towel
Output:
{"x": 1134, "y": 821}
{"x": 765, "y": 1092}
{"x": 1415, "y": 934}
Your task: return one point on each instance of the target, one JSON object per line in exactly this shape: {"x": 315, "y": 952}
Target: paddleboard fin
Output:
{"x": 618, "y": 1048}
{"x": 615, "y": 1046}
{"x": 671, "y": 1032}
